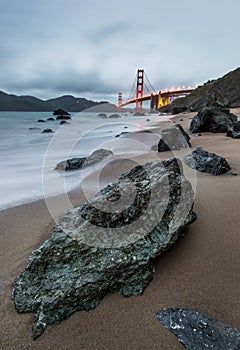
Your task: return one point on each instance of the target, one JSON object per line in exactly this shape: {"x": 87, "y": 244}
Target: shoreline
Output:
{"x": 200, "y": 272}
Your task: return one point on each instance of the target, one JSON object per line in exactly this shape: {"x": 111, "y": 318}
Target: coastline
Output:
{"x": 200, "y": 272}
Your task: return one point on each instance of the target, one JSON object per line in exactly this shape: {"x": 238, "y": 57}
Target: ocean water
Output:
{"x": 28, "y": 156}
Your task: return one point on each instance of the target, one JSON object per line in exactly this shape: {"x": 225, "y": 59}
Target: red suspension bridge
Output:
{"x": 143, "y": 90}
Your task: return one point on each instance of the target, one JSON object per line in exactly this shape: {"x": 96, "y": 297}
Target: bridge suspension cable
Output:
{"x": 149, "y": 83}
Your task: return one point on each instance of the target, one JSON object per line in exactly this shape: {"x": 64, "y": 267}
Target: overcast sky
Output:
{"x": 92, "y": 48}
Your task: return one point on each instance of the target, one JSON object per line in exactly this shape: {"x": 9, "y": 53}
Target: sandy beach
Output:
{"x": 201, "y": 272}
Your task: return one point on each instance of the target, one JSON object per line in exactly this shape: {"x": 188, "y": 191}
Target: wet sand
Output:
{"x": 201, "y": 272}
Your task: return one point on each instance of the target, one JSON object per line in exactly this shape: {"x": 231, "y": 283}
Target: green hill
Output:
{"x": 9, "y": 102}
{"x": 225, "y": 90}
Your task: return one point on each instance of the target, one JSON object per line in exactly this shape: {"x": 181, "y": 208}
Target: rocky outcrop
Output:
{"x": 50, "y": 119}
{"x": 60, "y": 112}
{"x": 224, "y": 90}
{"x": 106, "y": 245}
{"x": 234, "y": 131}
{"x": 173, "y": 138}
{"x": 78, "y": 163}
{"x": 207, "y": 162}
{"x": 212, "y": 119}
{"x": 196, "y": 331}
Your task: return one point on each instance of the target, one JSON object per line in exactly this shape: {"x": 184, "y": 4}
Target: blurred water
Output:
{"x": 28, "y": 157}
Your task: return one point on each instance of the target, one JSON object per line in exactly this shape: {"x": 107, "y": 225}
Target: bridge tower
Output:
{"x": 119, "y": 102}
{"x": 139, "y": 90}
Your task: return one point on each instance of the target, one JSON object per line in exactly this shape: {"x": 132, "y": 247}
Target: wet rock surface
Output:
{"x": 63, "y": 117}
{"x": 60, "y": 112}
{"x": 173, "y": 138}
{"x": 234, "y": 131}
{"x": 207, "y": 162}
{"x": 47, "y": 131}
{"x": 213, "y": 118}
{"x": 79, "y": 163}
{"x": 106, "y": 245}
{"x": 196, "y": 331}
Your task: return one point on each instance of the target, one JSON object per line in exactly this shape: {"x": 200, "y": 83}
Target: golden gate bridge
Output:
{"x": 143, "y": 90}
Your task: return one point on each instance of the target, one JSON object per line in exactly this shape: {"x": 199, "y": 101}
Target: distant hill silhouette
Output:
{"x": 9, "y": 102}
{"x": 225, "y": 90}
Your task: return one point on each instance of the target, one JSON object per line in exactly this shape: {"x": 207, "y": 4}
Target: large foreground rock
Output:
{"x": 106, "y": 245}
{"x": 173, "y": 138}
{"x": 79, "y": 163}
{"x": 234, "y": 131}
{"x": 199, "y": 332}
{"x": 213, "y": 118}
{"x": 207, "y": 162}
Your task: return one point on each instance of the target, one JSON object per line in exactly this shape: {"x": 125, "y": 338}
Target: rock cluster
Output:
{"x": 78, "y": 163}
{"x": 173, "y": 138}
{"x": 208, "y": 162}
{"x": 214, "y": 118}
{"x": 106, "y": 245}
{"x": 199, "y": 332}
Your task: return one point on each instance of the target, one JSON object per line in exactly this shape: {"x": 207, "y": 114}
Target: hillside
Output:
{"x": 9, "y": 102}
{"x": 225, "y": 90}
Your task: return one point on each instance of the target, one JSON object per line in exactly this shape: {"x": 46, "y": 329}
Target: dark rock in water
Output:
{"x": 63, "y": 117}
{"x": 196, "y": 331}
{"x": 213, "y": 118}
{"x": 79, "y": 163}
{"x": 64, "y": 122}
{"x": 34, "y": 128}
{"x": 50, "y": 119}
{"x": 234, "y": 130}
{"x": 122, "y": 133}
{"x": 114, "y": 116}
{"x": 138, "y": 114}
{"x": 148, "y": 120}
{"x": 47, "y": 131}
{"x": 41, "y": 121}
{"x": 173, "y": 138}
{"x": 106, "y": 245}
{"x": 60, "y": 112}
{"x": 102, "y": 115}
{"x": 207, "y": 162}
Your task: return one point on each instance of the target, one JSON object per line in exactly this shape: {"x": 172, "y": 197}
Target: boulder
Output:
{"x": 50, "y": 119}
{"x": 102, "y": 115}
{"x": 64, "y": 122}
{"x": 173, "y": 138}
{"x": 60, "y": 112}
{"x": 233, "y": 130}
{"x": 41, "y": 121}
{"x": 47, "y": 131}
{"x": 63, "y": 117}
{"x": 78, "y": 163}
{"x": 114, "y": 116}
{"x": 207, "y": 162}
{"x": 196, "y": 331}
{"x": 213, "y": 118}
{"x": 106, "y": 245}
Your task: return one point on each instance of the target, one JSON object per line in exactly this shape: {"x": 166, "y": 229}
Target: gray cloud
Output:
{"x": 93, "y": 48}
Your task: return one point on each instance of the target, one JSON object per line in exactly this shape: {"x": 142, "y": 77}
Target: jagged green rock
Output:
{"x": 196, "y": 331}
{"x": 106, "y": 245}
